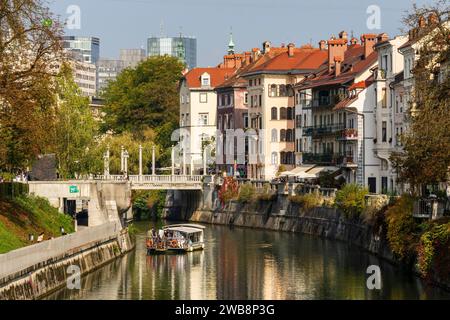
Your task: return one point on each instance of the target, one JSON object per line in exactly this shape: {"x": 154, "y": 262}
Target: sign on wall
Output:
{"x": 74, "y": 189}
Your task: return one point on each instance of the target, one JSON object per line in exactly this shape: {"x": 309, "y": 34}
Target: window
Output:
{"x": 203, "y": 119}
{"x": 246, "y": 98}
{"x": 273, "y": 90}
{"x": 274, "y": 135}
{"x": 283, "y": 114}
{"x": 219, "y": 123}
{"x": 206, "y": 80}
{"x": 290, "y": 135}
{"x": 250, "y": 83}
{"x": 274, "y": 113}
{"x": 384, "y": 131}
{"x": 260, "y": 100}
{"x": 290, "y": 113}
{"x": 274, "y": 158}
{"x": 245, "y": 120}
{"x": 203, "y": 98}
{"x": 283, "y": 135}
{"x": 298, "y": 121}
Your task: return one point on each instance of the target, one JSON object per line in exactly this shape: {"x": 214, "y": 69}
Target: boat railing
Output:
{"x": 167, "y": 243}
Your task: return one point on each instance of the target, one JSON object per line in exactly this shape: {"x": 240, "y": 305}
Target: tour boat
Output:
{"x": 176, "y": 238}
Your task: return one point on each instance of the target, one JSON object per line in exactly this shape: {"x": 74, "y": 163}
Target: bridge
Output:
{"x": 156, "y": 182}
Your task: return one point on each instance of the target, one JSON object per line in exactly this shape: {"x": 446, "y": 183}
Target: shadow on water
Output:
{"x": 249, "y": 264}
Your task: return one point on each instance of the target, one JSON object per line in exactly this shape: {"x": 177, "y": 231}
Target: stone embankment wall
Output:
{"x": 282, "y": 215}
{"x": 36, "y": 271}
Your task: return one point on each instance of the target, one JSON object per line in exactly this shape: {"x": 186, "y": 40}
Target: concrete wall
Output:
{"x": 108, "y": 201}
{"x": 35, "y": 271}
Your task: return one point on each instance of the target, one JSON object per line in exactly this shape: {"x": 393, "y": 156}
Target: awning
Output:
{"x": 297, "y": 170}
{"x": 317, "y": 170}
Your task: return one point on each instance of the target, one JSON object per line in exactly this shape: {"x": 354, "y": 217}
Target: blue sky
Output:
{"x": 128, "y": 23}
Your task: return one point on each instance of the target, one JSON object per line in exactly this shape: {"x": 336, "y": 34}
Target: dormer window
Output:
{"x": 206, "y": 80}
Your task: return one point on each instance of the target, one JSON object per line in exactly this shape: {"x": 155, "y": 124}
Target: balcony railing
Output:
{"x": 349, "y": 134}
{"x": 323, "y": 130}
{"x": 320, "y": 158}
{"x": 322, "y": 102}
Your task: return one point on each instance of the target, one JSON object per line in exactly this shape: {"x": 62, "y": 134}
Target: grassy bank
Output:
{"x": 26, "y": 215}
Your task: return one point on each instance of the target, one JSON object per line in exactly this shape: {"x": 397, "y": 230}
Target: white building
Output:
{"x": 390, "y": 110}
{"x": 198, "y": 113}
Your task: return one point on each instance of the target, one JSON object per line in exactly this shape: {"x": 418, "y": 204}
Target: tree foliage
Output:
{"x": 146, "y": 96}
{"x": 426, "y": 155}
{"x": 351, "y": 199}
{"x": 75, "y": 127}
{"x": 28, "y": 50}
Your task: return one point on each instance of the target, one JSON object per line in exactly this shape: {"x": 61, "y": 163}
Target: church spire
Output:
{"x": 231, "y": 44}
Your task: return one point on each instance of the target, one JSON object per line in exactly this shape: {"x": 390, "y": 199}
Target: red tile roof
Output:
{"x": 218, "y": 76}
{"x": 353, "y": 64}
{"x": 278, "y": 60}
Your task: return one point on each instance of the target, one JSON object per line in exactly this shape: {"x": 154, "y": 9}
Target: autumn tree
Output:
{"x": 75, "y": 127}
{"x": 425, "y": 159}
{"x": 29, "y": 46}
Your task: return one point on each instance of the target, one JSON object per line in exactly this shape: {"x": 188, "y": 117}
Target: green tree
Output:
{"x": 75, "y": 127}
{"x": 425, "y": 159}
{"x": 144, "y": 97}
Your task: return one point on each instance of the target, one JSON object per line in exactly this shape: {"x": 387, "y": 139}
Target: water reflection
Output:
{"x": 249, "y": 264}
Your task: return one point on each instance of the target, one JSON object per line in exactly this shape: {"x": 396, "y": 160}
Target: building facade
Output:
{"x": 132, "y": 57}
{"x": 336, "y": 110}
{"x": 108, "y": 70}
{"x": 272, "y": 106}
{"x": 88, "y": 47}
{"x": 184, "y": 48}
{"x": 198, "y": 114}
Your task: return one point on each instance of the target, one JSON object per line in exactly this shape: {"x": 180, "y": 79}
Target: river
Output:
{"x": 249, "y": 264}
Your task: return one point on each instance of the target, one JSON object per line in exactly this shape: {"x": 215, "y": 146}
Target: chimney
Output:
{"x": 337, "y": 65}
{"x": 353, "y": 41}
{"x": 422, "y": 23}
{"x": 255, "y": 54}
{"x": 291, "y": 47}
{"x": 369, "y": 41}
{"x": 266, "y": 47}
{"x": 382, "y": 37}
{"x": 343, "y": 35}
{"x": 433, "y": 19}
{"x": 322, "y": 45}
{"x": 336, "y": 48}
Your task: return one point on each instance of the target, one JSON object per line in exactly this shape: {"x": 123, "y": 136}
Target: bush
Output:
{"x": 401, "y": 228}
{"x": 229, "y": 190}
{"x": 433, "y": 244}
{"x": 148, "y": 203}
{"x": 308, "y": 201}
{"x": 247, "y": 193}
{"x": 351, "y": 200}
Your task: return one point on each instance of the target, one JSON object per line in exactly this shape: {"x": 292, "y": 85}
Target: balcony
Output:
{"x": 347, "y": 161}
{"x": 320, "y": 158}
{"x": 348, "y": 135}
{"x": 322, "y": 102}
{"x": 319, "y": 131}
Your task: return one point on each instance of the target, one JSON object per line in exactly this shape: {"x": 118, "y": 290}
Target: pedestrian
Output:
{"x": 63, "y": 231}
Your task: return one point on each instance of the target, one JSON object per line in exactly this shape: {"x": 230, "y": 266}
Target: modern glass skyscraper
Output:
{"x": 183, "y": 47}
{"x": 89, "y": 47}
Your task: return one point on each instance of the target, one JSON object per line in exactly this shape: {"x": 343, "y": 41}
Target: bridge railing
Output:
{"x": 152, "y": 178}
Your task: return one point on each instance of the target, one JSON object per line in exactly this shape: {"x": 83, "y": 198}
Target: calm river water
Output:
{"x": 249, "y": 264}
